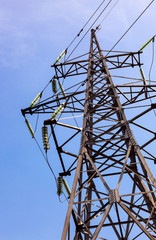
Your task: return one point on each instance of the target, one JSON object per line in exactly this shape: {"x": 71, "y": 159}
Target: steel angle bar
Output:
{"x": 124, "y": 166}
{"x": 95, "y": 235}
{"x": 136, "y": 221}
{"x": 98, "y": 172}
{"x": 72, "y": 196}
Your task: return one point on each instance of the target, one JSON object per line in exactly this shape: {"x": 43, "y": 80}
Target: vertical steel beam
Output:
{"x": 72, "y": 196}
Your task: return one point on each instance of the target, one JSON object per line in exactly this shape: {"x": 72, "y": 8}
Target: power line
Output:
{"x": 46, "y": 159}
{"x": 108, "y": 12}
{"x": 89, "y": 29}
{"x": 86, "y": 23}
{"x": 81, "y": 32}
{"x": 130, "y": 27}
{"x": 153, "y": 55}
{"x": 152, "y": 60}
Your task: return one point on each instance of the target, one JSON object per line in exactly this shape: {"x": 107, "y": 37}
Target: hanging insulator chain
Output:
{"x": 36, "y": 99}
{"x": 61, "y": 55}
{"x": 62, "y": 90}
{"x": 54, "y": 86}
{"x": 65, "y": 184}
{"x": 45, "y": 138}
{"x": 30, "y": 128}
{"x": 147, "y": 43}
{"x": 58, "y": 110}
{"x": 59, "y": 186}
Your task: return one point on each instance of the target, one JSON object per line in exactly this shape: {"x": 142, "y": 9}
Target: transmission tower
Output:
{"x": 113, "y": 190}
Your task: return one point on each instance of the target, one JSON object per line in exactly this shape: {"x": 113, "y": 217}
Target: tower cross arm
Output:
{"x": 79, "y": 67}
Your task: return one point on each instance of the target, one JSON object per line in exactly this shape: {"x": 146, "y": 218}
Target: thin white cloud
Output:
{"x": 21, "y": 20}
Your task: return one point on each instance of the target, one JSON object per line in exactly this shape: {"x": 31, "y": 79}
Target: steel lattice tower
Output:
{"x": 113, "y": 190}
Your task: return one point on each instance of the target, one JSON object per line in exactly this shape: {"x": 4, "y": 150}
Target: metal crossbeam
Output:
{"x": 74, "y": 68}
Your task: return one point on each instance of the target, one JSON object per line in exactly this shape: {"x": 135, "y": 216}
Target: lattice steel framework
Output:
{"x": 113, "y": 190}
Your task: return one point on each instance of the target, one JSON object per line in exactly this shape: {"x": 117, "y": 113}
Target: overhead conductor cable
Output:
{"x": 64, "y": 52}
{"x": 86, "y": 23}
{"x": 89, "y": 28}
{"x": 130, "y": 27}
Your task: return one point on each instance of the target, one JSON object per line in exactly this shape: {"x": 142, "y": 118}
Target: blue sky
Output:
{"x": 32, "y": 35}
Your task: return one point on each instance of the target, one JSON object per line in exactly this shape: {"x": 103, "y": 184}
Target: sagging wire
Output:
{"x": 45, "y": 146}
{"x": 46, "y": 159}
{"x": 59, "y": 181}
{"x": 37, "y": 120}
{"x": 141, "y": 49}
{"x": 150, "y": 70}
{"x": 50, "y": 168}
{"x": 153, "y": 55}
{"x": 36, "y": 123}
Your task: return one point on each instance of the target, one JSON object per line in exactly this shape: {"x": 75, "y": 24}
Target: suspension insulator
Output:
{"x": 62, "y": 90}
{"x": 65, "y": 184}
{"x": 61, "y": 55}
{"x": 45, "y": 138}
{"x": 30, "y": 128}
{"x": 58, "y": 110}
{"x": 36, "y": 99}
{"x": 54, "y": 86}
{"x": 148, "y": 42}
{"x": 143, "y": 76}
{"x": 59, "y": 186}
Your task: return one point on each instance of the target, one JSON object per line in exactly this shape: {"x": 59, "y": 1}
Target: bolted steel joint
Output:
{"x": 114, "y": 196}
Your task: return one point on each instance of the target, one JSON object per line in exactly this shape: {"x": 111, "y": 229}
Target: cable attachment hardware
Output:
{"x": 45, "y": 138}
{"x": 98, "y": 27}
{"x": 36, "y": 99}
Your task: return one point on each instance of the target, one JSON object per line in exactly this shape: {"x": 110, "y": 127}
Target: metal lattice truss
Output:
{"x": 113, "y": 191}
